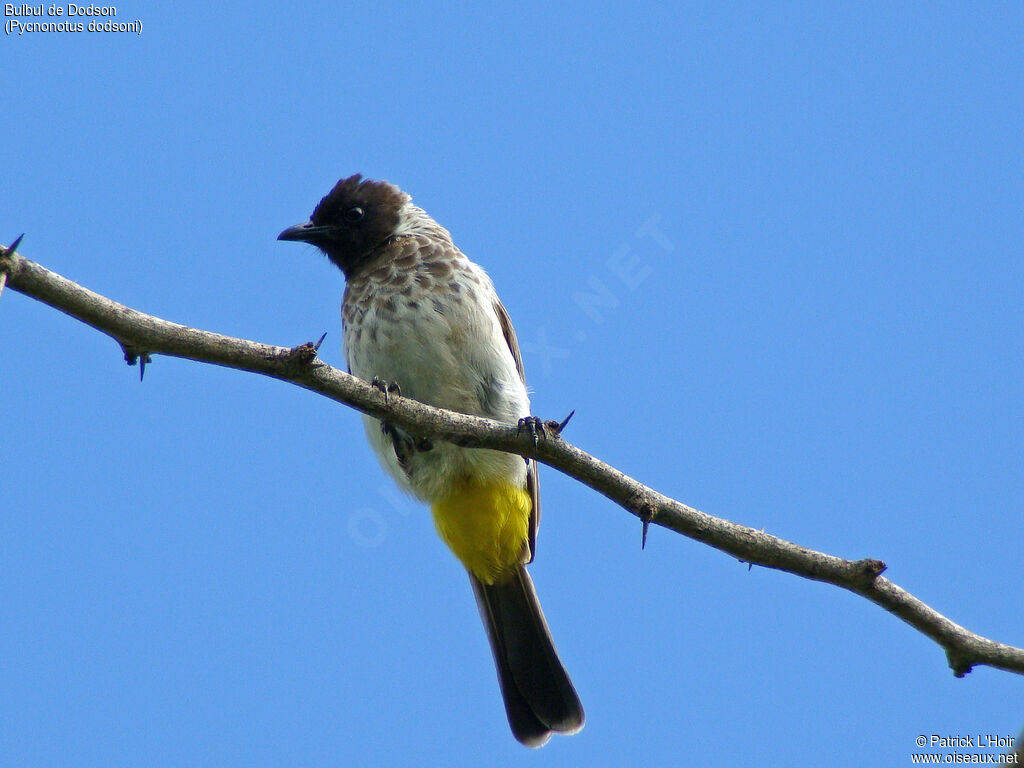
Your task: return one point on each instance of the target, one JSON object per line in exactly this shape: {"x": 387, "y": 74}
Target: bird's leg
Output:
{"x": 538, "y": 429}
{"x": 405, "y": 445}
{"x": 402, "y": 442}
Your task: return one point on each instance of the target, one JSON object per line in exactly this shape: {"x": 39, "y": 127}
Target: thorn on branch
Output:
{"x": 647, "y": 513}
{"x": 133, "y": 355}
{"x": 14, "y": 246}
{"x": 556, "y": 427}
{"x": 868, "y": 570}
{"x": 304, "y": 354}
{"x": 959, "y": 662}
{"x": 9, "y": 252}
{"x": 750, "y": 565}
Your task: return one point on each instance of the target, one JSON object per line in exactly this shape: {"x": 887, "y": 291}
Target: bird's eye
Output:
{"x": 352, "y": 215}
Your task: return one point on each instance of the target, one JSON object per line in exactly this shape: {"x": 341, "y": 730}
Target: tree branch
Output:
{"x": 140, "y": 334}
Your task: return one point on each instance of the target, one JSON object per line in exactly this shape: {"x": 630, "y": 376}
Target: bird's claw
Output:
{"x": 404, "y": 444}
{"x": 534, "y": 427}
{"x": 387, "y": 387}
{"x": 401, "y": 441}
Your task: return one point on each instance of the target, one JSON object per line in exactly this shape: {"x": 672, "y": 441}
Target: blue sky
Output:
{"x": 804, "y": 224}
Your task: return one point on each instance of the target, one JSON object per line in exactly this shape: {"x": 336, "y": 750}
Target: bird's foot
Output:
{"x": 401, "y": 441}
{"x": 534, "y": 427}
{"x": 405, "y": 444}
{"x": 387, "y": 387}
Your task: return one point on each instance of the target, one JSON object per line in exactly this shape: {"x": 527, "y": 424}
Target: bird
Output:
{"x": 423, "y": 321}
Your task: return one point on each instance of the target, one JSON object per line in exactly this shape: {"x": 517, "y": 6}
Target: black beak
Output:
{"x": 303, "y": 233}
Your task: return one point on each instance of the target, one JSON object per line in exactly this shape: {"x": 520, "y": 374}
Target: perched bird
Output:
{"x": 421, "y": 318}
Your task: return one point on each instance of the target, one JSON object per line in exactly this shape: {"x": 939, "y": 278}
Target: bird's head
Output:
{"x": 354, "y": 219}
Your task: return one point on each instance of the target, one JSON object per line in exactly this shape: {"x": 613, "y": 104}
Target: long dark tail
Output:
{"x": 539, "y": 697}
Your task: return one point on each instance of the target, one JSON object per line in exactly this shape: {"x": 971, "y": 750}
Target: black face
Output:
{"x": 354, "y": 219}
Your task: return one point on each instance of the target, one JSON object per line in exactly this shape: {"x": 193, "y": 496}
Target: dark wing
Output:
{"x": 532, "y": 481}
